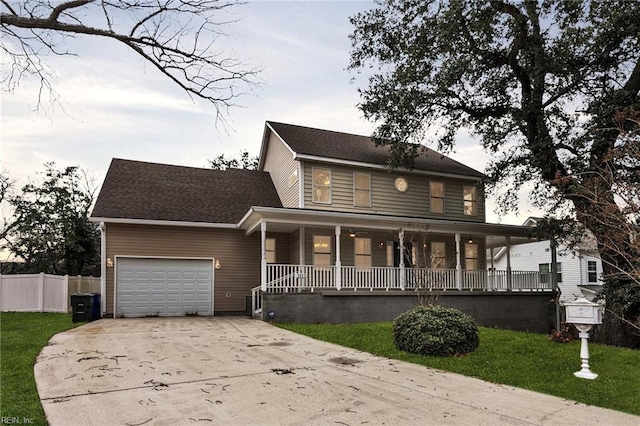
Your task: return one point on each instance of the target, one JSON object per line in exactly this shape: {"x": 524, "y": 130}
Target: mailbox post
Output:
{"x": 584, "y": 315}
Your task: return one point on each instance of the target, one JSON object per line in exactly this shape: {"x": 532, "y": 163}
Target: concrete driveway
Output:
{"x": 212, "y": 371}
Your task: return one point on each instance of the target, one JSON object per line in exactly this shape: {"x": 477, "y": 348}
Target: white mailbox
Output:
{"x": 582, "y": 311}
{"x": 584, "y": 315}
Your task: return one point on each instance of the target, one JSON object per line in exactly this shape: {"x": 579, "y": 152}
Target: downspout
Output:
{"x": 458, "y": 263}
{"x": 403, "y": 277}
{"x": 263, "y": 256}
{"x": 338, "y": 279}
{"x": 103, "y": 267}
{"x": 509, "y": 277}
{"x": 554, "y": 279}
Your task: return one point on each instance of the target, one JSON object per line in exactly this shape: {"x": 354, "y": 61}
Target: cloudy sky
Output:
{"x": 112, "y": 104}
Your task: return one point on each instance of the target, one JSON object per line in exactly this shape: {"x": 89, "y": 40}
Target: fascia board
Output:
{"x": 163, "y": 223}
{"x": 381, "y": 167}
{"x": 477, "y": 228}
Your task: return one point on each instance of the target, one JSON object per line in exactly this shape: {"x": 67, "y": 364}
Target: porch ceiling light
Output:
{"x": 352, "y": 233}
{"x": 470, "y": 240}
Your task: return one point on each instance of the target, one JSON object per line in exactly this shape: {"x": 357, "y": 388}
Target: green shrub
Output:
{"x": 435, "y": 330}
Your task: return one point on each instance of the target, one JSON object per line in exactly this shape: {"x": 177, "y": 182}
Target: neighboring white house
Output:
{"x": 579, "y": 271}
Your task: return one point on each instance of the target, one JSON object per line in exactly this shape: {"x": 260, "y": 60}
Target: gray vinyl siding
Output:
{"x": 239, "y": 256}
{"x": 283, "y": 247}
{"x": 294, "y": 238}
{"x": 385, "y": 199}
{"x": 280, "y": 164}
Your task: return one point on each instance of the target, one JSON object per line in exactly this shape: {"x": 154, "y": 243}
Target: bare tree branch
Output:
{"x": 180, "y": 38}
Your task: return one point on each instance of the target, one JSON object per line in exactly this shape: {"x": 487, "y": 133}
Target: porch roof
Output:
{"x": 290, "y": 219}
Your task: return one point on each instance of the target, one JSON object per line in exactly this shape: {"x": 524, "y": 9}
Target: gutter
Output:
{"x": 103, "y": 268}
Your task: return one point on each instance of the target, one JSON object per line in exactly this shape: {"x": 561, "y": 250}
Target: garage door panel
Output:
{"x": 165, "y": 287}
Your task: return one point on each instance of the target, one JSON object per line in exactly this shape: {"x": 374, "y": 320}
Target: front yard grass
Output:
{"x": 525, "y": 360}
{"x": 22, "y": 336}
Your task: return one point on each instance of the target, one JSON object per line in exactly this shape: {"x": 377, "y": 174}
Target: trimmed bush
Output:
{"x": 435, "y": 330}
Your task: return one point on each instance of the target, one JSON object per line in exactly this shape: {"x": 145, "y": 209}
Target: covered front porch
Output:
{"x": 309, "y": 250}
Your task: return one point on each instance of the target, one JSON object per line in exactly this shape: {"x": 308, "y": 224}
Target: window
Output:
{"x": 471, "y": 256}
{"x": 361, "y": 190}
{"x": 390, "y": 257}
{"x": 545, "y": 270}
{"x": 271, "y": 250}
{"x": 470, "y": 196}
{"x": 321, "y": 186}
{"x": 592, "y": 271}
{"x": 559, "y": 275}
{"x": 438, "y": 256}
{"x": 321, "y": 250}
{"x": 293, "y": 178}
{"x": 436, "y": 196}
{"x": 363, "y": 252}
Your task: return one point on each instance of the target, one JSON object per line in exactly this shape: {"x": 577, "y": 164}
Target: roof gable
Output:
{"x": 307, "y": 141}
{"x": 150, "y": 191}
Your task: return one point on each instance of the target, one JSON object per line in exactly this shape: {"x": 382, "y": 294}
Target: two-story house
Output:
{"x": 322, "y": 231}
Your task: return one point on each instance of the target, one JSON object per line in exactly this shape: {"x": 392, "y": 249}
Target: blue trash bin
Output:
{"x": 95, "y": 307}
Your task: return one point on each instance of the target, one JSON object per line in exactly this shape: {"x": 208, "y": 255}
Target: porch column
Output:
{"x": 554, "y": 278}
{"x": 338, "y": 261}
{"x": 263, "y": 251}
{"x": 493, "y": 272}
{"x": 554, "y": 264}
{"x": 509, "y": 277}
{"x": 458, "y": 263}
{"x": 403, "y": 278}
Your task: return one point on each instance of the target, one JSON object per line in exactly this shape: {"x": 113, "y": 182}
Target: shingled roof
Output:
{"x": 350, "y": 147}
{"x": 149, "y": 191}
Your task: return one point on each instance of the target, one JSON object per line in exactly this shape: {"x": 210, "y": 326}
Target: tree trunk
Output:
{"x": 615, "y": 330}
{"x": 602, "y": 216}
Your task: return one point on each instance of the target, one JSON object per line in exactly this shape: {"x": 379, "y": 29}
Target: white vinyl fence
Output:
{"x": 42, "y": 292}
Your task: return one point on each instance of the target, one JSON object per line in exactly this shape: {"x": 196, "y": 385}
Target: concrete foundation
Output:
{"x": 525, "y": 311}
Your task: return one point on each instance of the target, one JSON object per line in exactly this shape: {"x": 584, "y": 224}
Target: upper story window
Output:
{"x": 362, "y": 190}
{"x": 470, "y": 196}
{"x": 438, "y": 255}
{"x": 271, "y": 250}
{"x": 436, "y": 197}
{"x": 321, "y": 186}
{"x": 592, "y": 271}
{"x": 363, "y": 252}
{"x": 471, "y": 256}
{"x": 321, "y": 250}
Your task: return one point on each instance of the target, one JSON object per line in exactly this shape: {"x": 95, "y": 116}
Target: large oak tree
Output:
{"x": 549, "y": 87}
{"x": 180, "y": 38}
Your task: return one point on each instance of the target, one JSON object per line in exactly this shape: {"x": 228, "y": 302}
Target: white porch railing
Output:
{"x": 431, "y": 279}
{"x": 296, "y": 278}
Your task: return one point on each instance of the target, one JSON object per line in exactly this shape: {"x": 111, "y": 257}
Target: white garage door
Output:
{"x": 164, "y": 287}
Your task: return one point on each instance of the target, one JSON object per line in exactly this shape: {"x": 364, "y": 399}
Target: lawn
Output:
{"x": 524, "y": 360}
{"x": 22, "y": 336}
